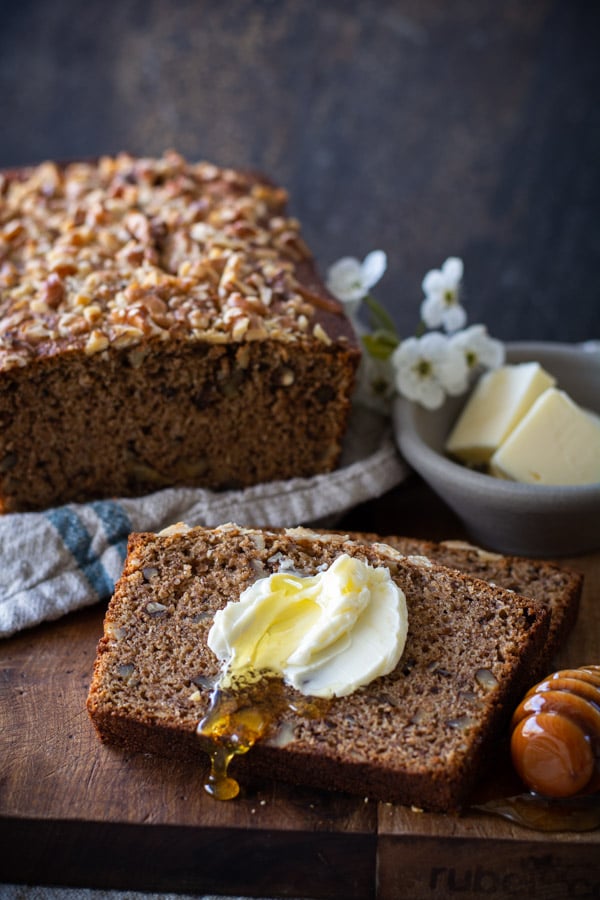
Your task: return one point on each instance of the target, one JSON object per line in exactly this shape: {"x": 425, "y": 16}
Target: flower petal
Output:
{"x": 406, "y": 353}
{"x": 454, "y": 317}
{"x": 432, "y": 310}
{"x": 493, "y": 355}
{"x": 453, "y": 371}
{"x": 373, "y": 268}
{"x": 433, "y": 345}
{"x": 345, "y": 280}
{"x": 426, "y": 391}
{"x": 432, "y": 395}
{"x": 453, "y": 269}
{"x": 434, "y": 282}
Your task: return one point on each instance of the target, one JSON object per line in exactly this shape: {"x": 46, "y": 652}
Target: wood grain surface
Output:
{"x": 421, "y": 127}
{"x": 74, "y": 812}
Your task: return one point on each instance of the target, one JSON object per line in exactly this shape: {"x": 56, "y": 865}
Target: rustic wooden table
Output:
{"x": 424, "y": 128}
{"x": 73, "y": 812}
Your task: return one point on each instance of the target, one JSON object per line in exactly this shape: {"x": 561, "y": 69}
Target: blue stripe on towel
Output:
{"x": 116, "y": 524}
{"x": 78, "y": 542}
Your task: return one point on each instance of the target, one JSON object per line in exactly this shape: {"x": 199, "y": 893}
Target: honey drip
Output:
{"x": 246, "y": 710}
{"x": 230, "y": 730}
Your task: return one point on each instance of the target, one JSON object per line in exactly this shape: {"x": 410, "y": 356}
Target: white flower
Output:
{"x": 478, "y": 348}
{"x": 375, "y": 383}
{"x": 441, "y": 306}
{"x": 351, "y": 280}
{"x": 428, "y": 368}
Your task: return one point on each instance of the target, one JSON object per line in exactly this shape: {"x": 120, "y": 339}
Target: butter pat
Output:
{"x": 557, "y": 442}
{"x": 325, "y": 634}
{"x": 499, "y": 401}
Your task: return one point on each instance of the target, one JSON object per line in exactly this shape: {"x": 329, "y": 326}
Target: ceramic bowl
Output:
{"x": 520, "y": 519}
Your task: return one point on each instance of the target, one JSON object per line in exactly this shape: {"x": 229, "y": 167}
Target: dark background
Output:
{"x": 424, "y": 128}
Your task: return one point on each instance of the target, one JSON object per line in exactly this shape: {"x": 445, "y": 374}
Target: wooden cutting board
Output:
{"x": 73, "y": 812}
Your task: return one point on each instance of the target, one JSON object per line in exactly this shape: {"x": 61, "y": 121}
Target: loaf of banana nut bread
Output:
{"x": 418, "y": 735}
{"x": 161, "y": 323}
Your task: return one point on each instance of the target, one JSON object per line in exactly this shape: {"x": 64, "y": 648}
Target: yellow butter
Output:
{"x": 325, "y": 634}
{"x": 557, "y": 442}
{"x": 498, "y": 403}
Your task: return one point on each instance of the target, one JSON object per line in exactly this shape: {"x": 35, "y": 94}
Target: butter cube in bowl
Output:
{"x": 539, "y": 425}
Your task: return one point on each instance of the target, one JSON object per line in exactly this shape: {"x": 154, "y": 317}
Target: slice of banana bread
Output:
{"x": 161, "y": 323}
{"x": 557, "y": 587}
{"x": 419, "y": 735}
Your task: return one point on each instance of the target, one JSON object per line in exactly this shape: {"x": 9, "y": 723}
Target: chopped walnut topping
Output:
{"x": 320, "y": 333}
{"x": 54, "y": 290}
{"x": 125, "y": 250}
{"x": 96, "y": 342}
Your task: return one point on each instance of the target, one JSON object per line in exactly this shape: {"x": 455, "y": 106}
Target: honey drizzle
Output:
{"x": 246, "y": 710}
